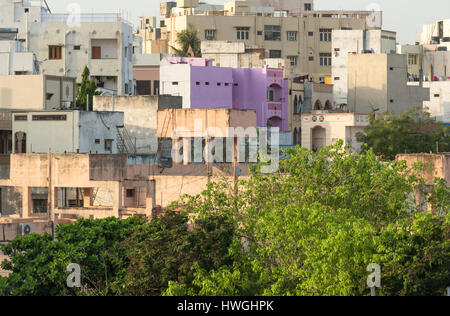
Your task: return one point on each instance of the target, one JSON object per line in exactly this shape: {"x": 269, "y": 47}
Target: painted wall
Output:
{"x": 336, "y": 126}
{"x": 346, "y": 42}
{"x": 379, "y": 81}
{"x": 100, "y": 126}
{"x": 140, "y": 118}
{"x": 210, "y": 87}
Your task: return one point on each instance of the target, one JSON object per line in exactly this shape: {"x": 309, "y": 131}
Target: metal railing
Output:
{"x": 84, "y": 17}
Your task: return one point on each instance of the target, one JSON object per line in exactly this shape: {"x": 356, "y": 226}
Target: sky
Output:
{"x": 403, "y": 16}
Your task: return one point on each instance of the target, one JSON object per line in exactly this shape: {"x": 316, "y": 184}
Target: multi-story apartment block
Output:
{"x": 347, "y": 42}
{"x": 203, "y": 86}
{"x": 437, "y": 33}
{"x": 377, "y": 83}
{"x": 284, "y": 29}
{"x": 63, "y": 44}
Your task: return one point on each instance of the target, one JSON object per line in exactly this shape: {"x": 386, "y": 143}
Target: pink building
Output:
{"x": 204, "y": 86}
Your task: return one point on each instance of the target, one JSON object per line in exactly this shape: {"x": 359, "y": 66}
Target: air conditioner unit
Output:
{"x": 25, "y": 229}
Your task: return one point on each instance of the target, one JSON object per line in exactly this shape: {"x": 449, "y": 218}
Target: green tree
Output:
{"x": 414, "y": 131}
{"x": 168, "y": 250}
{"x": 87, "y": 88}
{"x": 188, "y": 39}
{"x": 313, "y": 228}
{"x": 38, "y": 263}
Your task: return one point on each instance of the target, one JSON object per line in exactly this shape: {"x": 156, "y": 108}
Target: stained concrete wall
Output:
{"x": 140, "y": 118}
{"x": 440, "y": 164}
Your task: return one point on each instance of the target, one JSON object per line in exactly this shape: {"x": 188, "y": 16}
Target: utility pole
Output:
{"x": 51, "y": 214}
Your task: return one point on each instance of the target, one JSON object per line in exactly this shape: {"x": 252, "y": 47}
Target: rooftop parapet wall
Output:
{"x": 197, "y": 122}
{"x": 68, "y": 170}
{"x": 440, "y": 164}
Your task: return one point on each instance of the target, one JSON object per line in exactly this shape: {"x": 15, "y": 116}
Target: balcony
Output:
{"x": 104, "y": 67}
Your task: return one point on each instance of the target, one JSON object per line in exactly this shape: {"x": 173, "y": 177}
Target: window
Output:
{"x": 293, "y": 60}
{"x": 77, "y": 47}
{"x": 197, "y": 83}
{"x": 219, "y": 84}
{"x": 108, "y": 145}
{"x": 130, "y": 193}
{"x": 437, "y": 95}
{"x": 325, "y": 59}
{"x": 260, "y": 33}
{"x": 55, "y": 52}
{"x": 337, "y": 78}
{"x": 272, "y": 33}
{"x": 20, "y": 118}
{"x": 207, "y": 83}
{"x": 308, "y": 6}
{"x": 97, "y": 141}
{"x": 325, "y": 35}
{"x": 143, "y": 87}
{"x": 412, "y": 59}
{"x": 175, "y": 83}
{"x": 310, "y": 33}
{"x": 311, "y": 58}
{"x": 210, "y": 35}
{"x": 291, "y": 36}
{"x": 243, "y": 33}
{"x": 275, "y": 54}
{"x": 156, "y": 87}
{"x": 49, "y": 117}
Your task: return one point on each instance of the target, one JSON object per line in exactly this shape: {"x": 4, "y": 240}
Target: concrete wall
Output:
{"x": 22, "y": 92}
{"x": 99, "y": 126}
{"x": 304, "y": 47}
{"x": 439, "y": 104}
{"x": 440, "y": 165}
{"x": 355, "y": 41}
{"x": 77, "y": 132}
{"x": 140, "y": 118}
{"x": 378, "y": 82}
{"x": 334, "y": 127}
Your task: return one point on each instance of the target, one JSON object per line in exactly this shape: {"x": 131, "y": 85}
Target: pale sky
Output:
{"x": 403, "y": 16}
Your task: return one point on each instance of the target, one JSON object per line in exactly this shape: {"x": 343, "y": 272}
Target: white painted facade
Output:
{"x": 439, "y": 104}
{"x": 108, "y": 32}
{"x": 345, "y": 42}
{"x": 67, "y": 131}
{"x": 437, "y": 33}
{"x": 176, "y": 73}
{"x": 320, "y": 130}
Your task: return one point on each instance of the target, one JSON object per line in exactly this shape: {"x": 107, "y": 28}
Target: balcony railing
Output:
{"x": 83, "y": 18}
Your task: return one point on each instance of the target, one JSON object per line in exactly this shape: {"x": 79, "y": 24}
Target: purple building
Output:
{"x": 203, "y": 86}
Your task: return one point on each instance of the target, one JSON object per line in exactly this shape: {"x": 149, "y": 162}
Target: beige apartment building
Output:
{"x": 286, "y": 29}
{"x": 377, "y": 83}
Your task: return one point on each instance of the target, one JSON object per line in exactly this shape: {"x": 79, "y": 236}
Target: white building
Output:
{"x": 439, "y": 104}
{"x": 14, "y": 60}
{"x": 345, "y": 42}
{"x": 437, "y": 33}
{"x": 63, "y": 45}
{"x": 66, "y": 131}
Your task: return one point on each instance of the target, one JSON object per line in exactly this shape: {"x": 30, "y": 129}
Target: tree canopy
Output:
{"x": 188, "y": 39}
{"x": 310, "y": 229}
{"x": 414, "y": 131}
{"x": 87, "y": 88}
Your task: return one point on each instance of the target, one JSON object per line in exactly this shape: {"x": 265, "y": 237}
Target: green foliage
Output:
{"x": 38, "y": 263}
{"x": 169, "y": 249}
{"x": 415, "y": 256}
{"x": 413, "y": 131}
{"x": 87, "y": 88}
{"x": 310, "y": 229}
{"x": 313, "y": 228}
{"x": 188, "y": 38}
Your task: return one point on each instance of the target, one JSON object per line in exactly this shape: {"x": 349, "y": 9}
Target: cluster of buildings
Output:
{"x": 313, "y": 77}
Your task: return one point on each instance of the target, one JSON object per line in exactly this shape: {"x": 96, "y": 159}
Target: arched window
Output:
{"x": 328, "y": 105}
{"x": 20, "y": 143}
{"x": 318, "y": 105}
{"x": 296, "y": 137}
{"x": 295, "y": 105}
